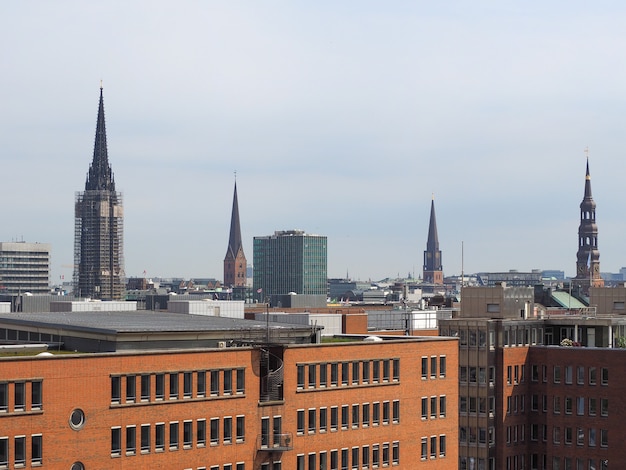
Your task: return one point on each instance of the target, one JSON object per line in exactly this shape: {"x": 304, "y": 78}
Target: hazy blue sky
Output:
{"x": 340, "y": 118}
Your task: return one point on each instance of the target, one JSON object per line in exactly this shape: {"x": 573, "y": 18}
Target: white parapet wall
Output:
{"x": 93, "y": 306}
{"x": 330, "y": 321}
{"x": 5, "y": 307}
{"x": 208, "y": 307}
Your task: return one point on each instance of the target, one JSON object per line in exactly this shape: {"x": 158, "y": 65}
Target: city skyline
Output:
{"x": 338, "y": 120}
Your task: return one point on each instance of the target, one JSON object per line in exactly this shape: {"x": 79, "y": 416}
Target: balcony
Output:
{"x": 275, "y": 442}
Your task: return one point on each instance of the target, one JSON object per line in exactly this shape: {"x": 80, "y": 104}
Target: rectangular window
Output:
{"x": 433, "y": 367}
{"x": 201, "y": 383}
{"x": 424, "y": 367}
{"x": 375, "y": 455}
{"x": 323, "y": 371}
{"x": 187, "y": 384}
{"x": 556, "y": 407}
{"x": 333, "y": 459}
{"x": 605, "y": 376}
{"x": 396, "y": 411}
{"x": 442, "y": 445}
{"x": 312, "y": 375}
{"x": 312, "y": 421}
{"x": 385, "y": 454}
{"x": 345, "y": 373}
{"x": 300, "y": 422}
{"x": 604, "y": 437}
{"x": 159, "y": 437}
{"x": 425, "y": 407}
{"x": 568, "y": 435}
{"x": 580, "y": 375}
{"x": 228, "y": 381}
{"x": 395, "y": 452}
{"x": 355, "y": 457}
{"x": 300, "y": 376}
{"x": 312, "y": 460}
{"x": 556, "y": 435}
{"x": 386, "y": 370}
{"x": 592, "y": 376}
{"x": 215, "y": 431}
{"x": 187, "y": 434}
{"x": 130, "y": 388}
{"x": 241, "y": 381}
{"x": 557, "y": 374}
{"x": 20, "y": 450}
{"x": 355, "y": 372}
{"x": 604, "y": 406}
{"x": 228, "y": 430}
{"x": 36, "y": 449}
{"x": 592, "y": 406}
{"x": 323, "y": 419}
{"x": 173, "y": 435}
{"x": 4, "y": 451}
{"x": 433, "y": 447}
{"x": 265, "y": 432}
{"x": 145, "y": 438}
{"x": 424, "y": 448}
{"x": 241, "y": 428}
{"x": 396, "y": 370}
{"x": 592, "y": 437}
{"x": 442, "y": 406}
{"x": 159, "y": 386}
{"x": 433, "y": 406}
{"x": 36, "y": 395}
{"x": 376, "y": 371}
{"x": 386, "y": 412}
{"x": 116, "y": 441}
{"x": 344, "y": 459}
{"x": 4, "y": 395}
{"x": 334, "y": 374}
{"x": 580, "y": 406}
{"x": 365, "y": 456}
{"x": 376, "y": 414}
{"x": 568, "y": 374}
{"x": 344, "y": 417}
{"x": 173, "y": 386}
{"x": 215, "y": 383}
{"x": 334, "y": 418}
{"x": 366, "y": 415}
{"x": 131, "y": 440}
{"x": 145, "y": 387}
{"x": 366, "y": 372}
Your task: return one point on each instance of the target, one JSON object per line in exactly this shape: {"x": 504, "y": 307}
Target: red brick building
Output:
{"x": 345, "y": 405}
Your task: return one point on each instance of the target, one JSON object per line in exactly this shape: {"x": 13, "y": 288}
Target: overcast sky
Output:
{"x": 339, "y": 118}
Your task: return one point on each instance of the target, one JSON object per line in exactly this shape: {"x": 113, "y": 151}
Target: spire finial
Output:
{"x": 433, "y": 196}
{"x": 235, "y": 175}
{"x": 101, "y": 84}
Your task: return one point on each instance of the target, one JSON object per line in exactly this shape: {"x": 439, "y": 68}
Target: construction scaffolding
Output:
{"x": 98, "y": 245}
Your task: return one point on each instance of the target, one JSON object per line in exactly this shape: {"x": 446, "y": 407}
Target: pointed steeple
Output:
{"x": 234, "y": 241}
{"x": 588, "y": 182}
{"x": 100, "y": 176}
{"x": 235, "y": 263}
{"x": 433, "y": 270}
{"x": 432, "y": 243}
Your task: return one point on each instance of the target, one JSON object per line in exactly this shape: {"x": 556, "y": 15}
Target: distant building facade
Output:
{"x": 588, "y": 255}
{"x": 290, "y": 261}
{"x": 235, "y": 264}
{"x": 99, "y": 227}
{"x": 24, "y": 267}
{"x": 433, "y": 268}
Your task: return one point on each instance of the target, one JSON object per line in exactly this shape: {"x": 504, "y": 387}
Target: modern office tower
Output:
{"x": 588, "y": 256}
{"x": 433, "y": 270}
{"x": 24, "y": 268}
{"x": 290, "y": 261}
{"x": 99, "y": 225}
{"x": 235, "y": 263}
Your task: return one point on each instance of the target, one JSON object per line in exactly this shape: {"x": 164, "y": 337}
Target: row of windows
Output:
{"x": 433, "y": 361}
{"x": 481, "y": 405}
{"x": 582, "y": 436}
{"x": 20, "y": 451}
{"x": 20, "y": 390}
{"x": 537, "y": 462}
{"x": 471, "y": 463}
{"x": 352, "y": 373}
{"x": 351, "y": 416}
{"x": 226, "y": 466}
{"x": 472, "y": 436}
{"x": 441, "y": 400}
{"x": 433, "y": 447}
{"x": 477, "y": 375}
{"x": 167, "y": 386}
{"x": 571, "y": 405}
{"x": 352, "y": 458}
{"x": 153, "y": 438}
{"x": 592, "y": 375}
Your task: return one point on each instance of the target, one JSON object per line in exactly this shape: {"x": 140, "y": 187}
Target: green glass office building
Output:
{"x": 290, "y": 261}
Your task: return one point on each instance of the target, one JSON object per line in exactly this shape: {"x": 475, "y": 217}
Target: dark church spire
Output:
{"x": 235, "y": 263}
{"x": 100, "y": 176}
{"x": 588, "y": 255}
{"x": 433, "y": 270}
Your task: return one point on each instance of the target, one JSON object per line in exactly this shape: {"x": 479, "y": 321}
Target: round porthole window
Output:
{"x": 77, "y": 466}
{"x": 77, "y": 421}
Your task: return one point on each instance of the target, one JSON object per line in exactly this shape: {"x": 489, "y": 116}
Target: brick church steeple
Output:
{"x": 588, "y": 256}
{"x": 235, "y": 263}
{"x": 433, "y": 270}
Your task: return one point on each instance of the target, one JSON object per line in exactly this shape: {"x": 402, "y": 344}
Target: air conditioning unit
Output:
{"x": 221, "y": 344}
